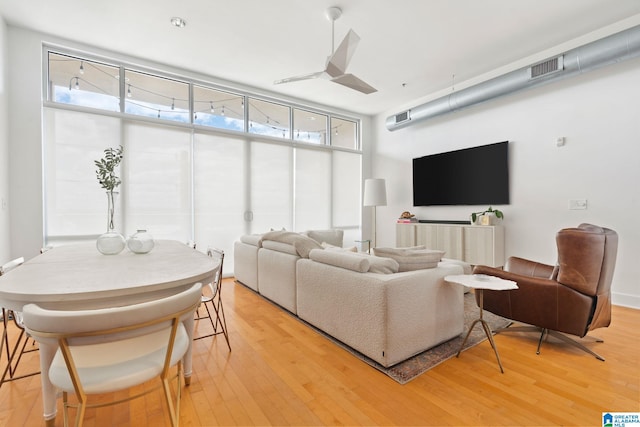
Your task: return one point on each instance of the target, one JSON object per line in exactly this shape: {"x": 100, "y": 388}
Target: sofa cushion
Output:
{"x": 410, "y": 259}
{"x": 302, "y": 244}
{"x": 332, "y": 237}
{"x": 347, "y": 260}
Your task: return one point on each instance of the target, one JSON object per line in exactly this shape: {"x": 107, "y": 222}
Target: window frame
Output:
{"x": 246, "y": 96}
{"x": 243, "y": 135}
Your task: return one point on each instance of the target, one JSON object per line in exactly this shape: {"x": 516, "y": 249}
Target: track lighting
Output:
{"x": 81, "y": 67}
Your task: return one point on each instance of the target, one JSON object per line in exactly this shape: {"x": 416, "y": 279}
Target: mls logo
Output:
{"x": 607, "y": 420}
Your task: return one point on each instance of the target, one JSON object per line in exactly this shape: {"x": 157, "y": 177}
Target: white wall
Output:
{"x": 25, "y": 141}
{"x": 5, "y": 254}
{"x": 599, "y": 115}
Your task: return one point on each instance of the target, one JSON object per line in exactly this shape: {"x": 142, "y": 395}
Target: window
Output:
{"x": 309, "y": 127}
{"x": 82, "y": 82}
{"x": 268, "y": 118}
{"x": 156, "y": 180}
{"x": 271, "y": 186}
{"x": 101, "y": 85}
{"x": 184, "y": 175}
{"x": 218, "y": 109}
{"x": 344, "y": 133}
{"x": 220, "y": 188}
{"x": 75, "y": 204}
{"x": 313, "y": 199}
{"x": 153, "y": 96}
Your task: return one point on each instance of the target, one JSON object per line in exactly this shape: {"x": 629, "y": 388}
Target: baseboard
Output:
{"x": 625, "y": 300}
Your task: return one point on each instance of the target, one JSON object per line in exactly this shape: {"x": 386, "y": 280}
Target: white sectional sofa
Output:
{"x": 359, "y": 299}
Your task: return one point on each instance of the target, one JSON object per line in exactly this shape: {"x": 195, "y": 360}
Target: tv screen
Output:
{"x": 472, "y": 176}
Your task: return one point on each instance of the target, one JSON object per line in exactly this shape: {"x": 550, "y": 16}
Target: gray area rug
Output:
{"x": 404, "y": 372}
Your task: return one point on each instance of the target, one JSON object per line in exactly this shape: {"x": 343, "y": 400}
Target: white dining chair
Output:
{"x": 212, "y": 296}
{"x": 14, "y": 355}
{"x": 110, "y": 349}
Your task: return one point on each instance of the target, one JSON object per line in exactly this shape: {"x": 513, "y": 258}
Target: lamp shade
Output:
{"x": 375, "y": 192}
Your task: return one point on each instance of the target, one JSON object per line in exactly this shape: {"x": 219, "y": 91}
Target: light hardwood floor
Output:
{"x": 280, "y": 372}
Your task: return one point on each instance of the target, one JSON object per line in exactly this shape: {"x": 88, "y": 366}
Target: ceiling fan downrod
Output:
{"x": 332, "y": 14}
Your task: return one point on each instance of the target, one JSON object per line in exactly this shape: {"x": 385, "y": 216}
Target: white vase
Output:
{"x": 111, "y": 242}
{"x": 141, "y": 242}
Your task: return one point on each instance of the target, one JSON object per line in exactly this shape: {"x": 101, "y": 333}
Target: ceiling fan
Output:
{"x": 337, "y": 62}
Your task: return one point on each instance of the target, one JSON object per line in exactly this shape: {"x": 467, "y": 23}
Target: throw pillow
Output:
{"x": 302, "y": 244}
{"x": 339, "y": 259}
{"x": 382, "y": 265}
{"x": 330, "y": 247}
{"x": 410, "y": 259}
{"x": 333, "y": 237}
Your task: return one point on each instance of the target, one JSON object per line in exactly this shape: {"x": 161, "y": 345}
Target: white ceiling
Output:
{"x": 419, "y": 43}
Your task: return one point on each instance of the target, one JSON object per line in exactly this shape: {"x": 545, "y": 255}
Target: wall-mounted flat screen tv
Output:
{"x": 471, "y": 176}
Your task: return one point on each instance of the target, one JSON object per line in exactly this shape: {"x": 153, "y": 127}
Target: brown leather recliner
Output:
{"x": 574, "y": 297}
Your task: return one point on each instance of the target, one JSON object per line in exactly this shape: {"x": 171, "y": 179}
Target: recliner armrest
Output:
{"x": 524, "y": 280}
{"x": 529, "y": 268}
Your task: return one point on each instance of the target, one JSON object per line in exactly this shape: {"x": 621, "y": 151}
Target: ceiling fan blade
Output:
{"x": 351, "y": 81}
{"x": 298, "y": 78}
{"x": 339, "y": 61}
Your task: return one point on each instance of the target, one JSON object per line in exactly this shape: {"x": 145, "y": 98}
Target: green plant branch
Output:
{"x": 105, "y": 173}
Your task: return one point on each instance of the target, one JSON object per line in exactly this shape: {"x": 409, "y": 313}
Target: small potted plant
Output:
{"x": 111, "y": 242}
{"x": 486, "y": 217}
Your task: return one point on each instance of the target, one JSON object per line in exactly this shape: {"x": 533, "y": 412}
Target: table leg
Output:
{"x": 187, "y": 361}
{"x": 47, "y": 351}
{"x": 485, "y": 327}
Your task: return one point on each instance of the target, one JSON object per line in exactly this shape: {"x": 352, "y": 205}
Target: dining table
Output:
{"x": 77, "y": 276}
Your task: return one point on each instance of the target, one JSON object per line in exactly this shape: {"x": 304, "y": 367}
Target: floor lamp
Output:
{"x": 375, "y": 194}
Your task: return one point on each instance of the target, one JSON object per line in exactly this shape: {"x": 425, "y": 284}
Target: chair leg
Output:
{"x": 9, "y": 372}
{"x": 207, "y": 316}
{"x": 575, "y": 343}
{"x": 5, "y": 345}
{"x": 174, "y": 411}
{"x": 542, "y": 334}
{"x": 10, "y": 368}
{"x": 220, "y": 321}
{"x": 547, "y": 332}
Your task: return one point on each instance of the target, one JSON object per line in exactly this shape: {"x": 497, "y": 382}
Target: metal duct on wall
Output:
{"x": 609, "y": 50}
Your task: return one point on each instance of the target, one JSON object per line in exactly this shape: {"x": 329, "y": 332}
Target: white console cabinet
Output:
{"x": 475, "y": 244}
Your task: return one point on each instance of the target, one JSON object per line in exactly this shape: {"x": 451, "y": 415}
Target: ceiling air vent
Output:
{"x": 549, "y": 66}
{"x": 403, "y": 117}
